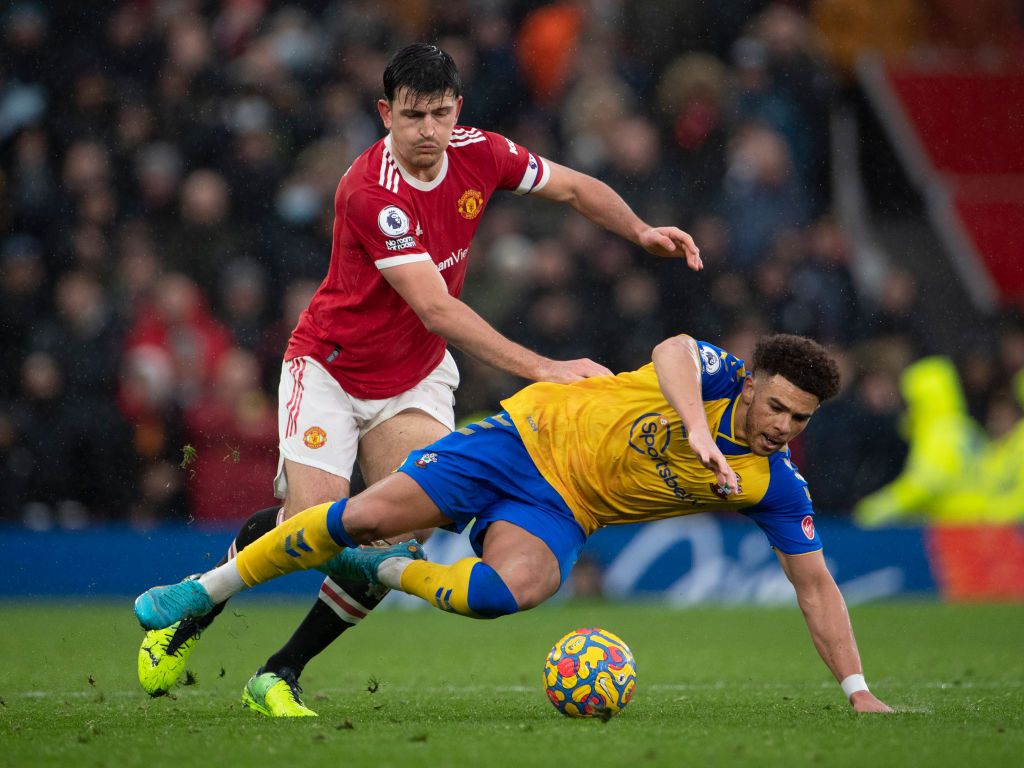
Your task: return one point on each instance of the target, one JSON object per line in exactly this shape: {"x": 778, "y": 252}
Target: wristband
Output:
{"x": 852, "y": 684}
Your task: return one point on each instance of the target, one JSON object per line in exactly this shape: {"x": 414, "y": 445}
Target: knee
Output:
{"x": 530, "y": 588}
{"x": 311, "y": 488}
{"x": 299, "y": 503}
{"x": 362, "y": 521}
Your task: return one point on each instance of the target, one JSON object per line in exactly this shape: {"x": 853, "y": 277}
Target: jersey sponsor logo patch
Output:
{"x": 711, "y": 359}
{"x": 807, "y": 526}
{"x": 393, "y": 221}
{"x": 454, "y": 259}
{"x": 512, "y": 147}
{"x": 650, "y": 436}
{"x": 425, "y": 459}
{"x": 400, "y": 244}
{"x": 471, "y": 203}
{"x": 314, "y": 438}
{"x": 644, "y": 437}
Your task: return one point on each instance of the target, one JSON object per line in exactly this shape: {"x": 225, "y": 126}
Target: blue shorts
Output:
{"x": 485, "y": 474}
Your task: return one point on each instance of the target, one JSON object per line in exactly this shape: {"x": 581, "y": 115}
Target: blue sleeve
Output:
{"x": 720, "y": 371}
{"x": 785, "y": 513}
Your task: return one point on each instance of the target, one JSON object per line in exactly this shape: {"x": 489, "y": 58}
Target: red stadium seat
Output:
{"x": 964, "y": 130}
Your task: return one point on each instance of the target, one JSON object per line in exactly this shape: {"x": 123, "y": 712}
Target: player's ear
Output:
{"x": 458, "y": 108}
{"x": 384, "y": 110}
{"x": 749, "y": 385}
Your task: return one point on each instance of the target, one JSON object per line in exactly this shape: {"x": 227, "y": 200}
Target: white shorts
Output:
{"x": 320, "y": 425}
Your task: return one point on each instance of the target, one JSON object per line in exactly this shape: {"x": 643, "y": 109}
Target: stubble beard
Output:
{"x": 423, "y": 161}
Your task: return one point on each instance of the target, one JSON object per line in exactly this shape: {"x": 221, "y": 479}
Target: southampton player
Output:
{"x": 691, "y": 432}
{"x": 366, "y": 374}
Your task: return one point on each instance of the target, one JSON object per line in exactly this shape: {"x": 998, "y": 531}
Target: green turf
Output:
{"x": 716, "y": 687}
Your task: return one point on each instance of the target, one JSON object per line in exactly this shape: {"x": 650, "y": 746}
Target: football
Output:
{"x": 590, "y": 673}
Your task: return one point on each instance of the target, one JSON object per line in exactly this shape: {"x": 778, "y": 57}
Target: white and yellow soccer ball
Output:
{"x": 590, "y": 673}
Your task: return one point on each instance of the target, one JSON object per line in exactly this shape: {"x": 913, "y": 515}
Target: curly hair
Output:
{"x": 799, "y": 360}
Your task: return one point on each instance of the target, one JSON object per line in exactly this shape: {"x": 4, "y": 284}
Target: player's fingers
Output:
{"x": 683, "y": 244}
{"x": 693, "y": 259}
{"x": 715, "y": 464}
{"x": 684, "y": 239}
{"x": 731, "y": 481}
{"x": 725, "y": 474}
{"x": 691, "y": 250}
{"x": 564, "y": 377}
{"x": 659, "y": 241}
{"x": 864, "y": 701}
{"x": 590, "y": 368}
{"x": 566, "y": 372}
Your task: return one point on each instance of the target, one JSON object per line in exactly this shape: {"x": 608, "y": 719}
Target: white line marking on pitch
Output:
{"x": 664, "y": 687}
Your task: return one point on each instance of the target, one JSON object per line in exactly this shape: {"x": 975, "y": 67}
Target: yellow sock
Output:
{"x": 468, "y": 587}
{"x": 298, "y": 543}
{"x": 446, "y": 586}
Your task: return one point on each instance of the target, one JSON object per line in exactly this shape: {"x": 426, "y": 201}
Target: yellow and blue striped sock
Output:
{"x": 307, "y": 540}
{"x": 468, "y": 587}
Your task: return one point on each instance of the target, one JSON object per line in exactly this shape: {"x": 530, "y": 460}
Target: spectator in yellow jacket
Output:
{"x": 946, "y": 447}
{"x": 996, "y": 493}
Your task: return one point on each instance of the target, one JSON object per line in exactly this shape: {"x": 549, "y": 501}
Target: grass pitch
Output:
{"x": 716, "y": 687}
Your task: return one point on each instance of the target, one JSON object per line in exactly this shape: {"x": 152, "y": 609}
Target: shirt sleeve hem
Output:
{"x": 405, "y": 258}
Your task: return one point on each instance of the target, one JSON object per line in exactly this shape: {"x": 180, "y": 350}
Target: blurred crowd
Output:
{"x": 167, "y": 170}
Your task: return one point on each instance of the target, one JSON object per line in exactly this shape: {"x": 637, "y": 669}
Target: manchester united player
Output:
{"x": 367, "y": 374}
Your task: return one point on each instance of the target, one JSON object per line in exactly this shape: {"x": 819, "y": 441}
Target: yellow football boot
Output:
{"x": 162, "y": 657}
{"x": 275, "y": 695}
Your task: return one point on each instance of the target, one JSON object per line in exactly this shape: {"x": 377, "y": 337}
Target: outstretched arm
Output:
{"x": 603, "y": 206}
{"x": 677, "y": 364}
{"x": 425, "y": 291}
{"x": 825, "y": 613}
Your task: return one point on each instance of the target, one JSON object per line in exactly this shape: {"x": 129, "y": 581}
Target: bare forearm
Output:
{"x": 421, "y": 286}
{"x": 825, "y": 613}
{"x": 603, "y": 206}
{"x": 677, "y": 364}
{"x": 829, "y": 623}
{"x": 463, "y": 328}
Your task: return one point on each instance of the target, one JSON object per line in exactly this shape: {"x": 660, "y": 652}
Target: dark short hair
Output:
{"x": 803, "y": 362}
{"x": 424, "y": 69}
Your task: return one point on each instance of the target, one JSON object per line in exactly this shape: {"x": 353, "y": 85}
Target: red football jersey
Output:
{"x": 357, "y": 326}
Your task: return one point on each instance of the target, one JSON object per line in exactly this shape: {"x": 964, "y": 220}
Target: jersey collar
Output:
{"x": 412, "y": 181}
{"x": 725, "y": 437}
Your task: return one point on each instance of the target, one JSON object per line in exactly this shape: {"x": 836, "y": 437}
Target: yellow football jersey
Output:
{"x": 617, "y": 453}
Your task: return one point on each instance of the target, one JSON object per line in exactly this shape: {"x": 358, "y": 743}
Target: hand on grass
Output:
{"x": 865, "y": 701}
